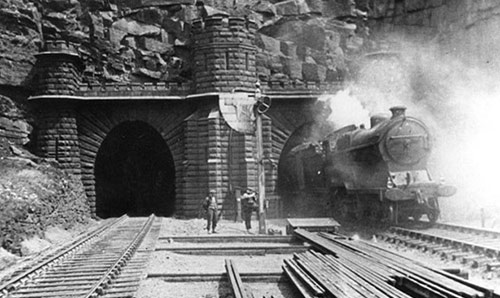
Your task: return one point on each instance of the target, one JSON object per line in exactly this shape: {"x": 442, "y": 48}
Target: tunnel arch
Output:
{"x": 290, "y": 185}
{"x": 134, "y": 172}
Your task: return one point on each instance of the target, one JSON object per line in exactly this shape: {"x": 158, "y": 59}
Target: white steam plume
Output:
{"x": 345, "y": 108}
{"x": 459, "y": 103}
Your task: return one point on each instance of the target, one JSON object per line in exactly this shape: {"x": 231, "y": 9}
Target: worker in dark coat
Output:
{"x": 210, "y": 205}
{"x": 248, "y": 205}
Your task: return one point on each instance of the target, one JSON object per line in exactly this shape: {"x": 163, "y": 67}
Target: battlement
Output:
{"x": 134, "y": 89}
{"x": 224, "y": 23}
{"x": 298, "y": 87}
{"x": 224, "y": 56}
{"x": 59, "y": 47}
{"x": 275, "y": 88}
{"x": 223, "y": 30}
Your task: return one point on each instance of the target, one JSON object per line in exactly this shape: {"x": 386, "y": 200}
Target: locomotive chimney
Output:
{"x": 398, "y": 111}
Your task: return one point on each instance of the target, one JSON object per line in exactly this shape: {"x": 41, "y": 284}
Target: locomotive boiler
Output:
{"x": 378, "y": 172}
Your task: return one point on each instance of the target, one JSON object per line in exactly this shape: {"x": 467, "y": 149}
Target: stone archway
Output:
{"x": 134, "y": 172}
{"x": 300, "y": 172}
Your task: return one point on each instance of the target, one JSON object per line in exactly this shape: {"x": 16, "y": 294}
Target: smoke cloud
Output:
{"x": 460, "y": 104}
{"x": 345, "y": 108}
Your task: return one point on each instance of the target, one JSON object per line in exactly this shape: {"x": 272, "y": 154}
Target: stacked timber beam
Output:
{"x": 341, "y": 267}
{"x": 239, "y": 289}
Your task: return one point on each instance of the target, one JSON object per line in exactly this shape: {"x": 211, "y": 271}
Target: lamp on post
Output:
{"x": 262, "y": 104}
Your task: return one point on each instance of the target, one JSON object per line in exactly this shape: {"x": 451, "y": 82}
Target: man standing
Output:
{"x": 248, "y": 205}
{"x": 210, "y": 206}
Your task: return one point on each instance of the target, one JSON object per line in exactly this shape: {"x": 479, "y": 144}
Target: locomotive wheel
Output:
{"x": 433, "y": 212}
{"x": 433, "y": 216}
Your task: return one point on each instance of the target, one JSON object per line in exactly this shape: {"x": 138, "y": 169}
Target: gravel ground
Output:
{"x": 175, "y": 263}
{"x": 171, "y": 263}
{"x": 164, "y": 262}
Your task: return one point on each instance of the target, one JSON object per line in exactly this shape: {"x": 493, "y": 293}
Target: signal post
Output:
{"x": 262, "y": 104}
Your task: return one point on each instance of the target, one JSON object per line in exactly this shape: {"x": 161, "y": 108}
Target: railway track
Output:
{"x": 108, "y": 262}
{"x": 473, "y": 246}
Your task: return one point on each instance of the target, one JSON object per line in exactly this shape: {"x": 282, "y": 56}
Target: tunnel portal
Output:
{"x": 134, "y": 172}
{"x": 300, "y": 174}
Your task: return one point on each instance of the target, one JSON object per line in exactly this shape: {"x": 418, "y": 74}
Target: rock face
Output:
{"x": 151, "y": 40}
{"x": 464, "y": 29}
{"x": 14, "y": 129}
{"x": 20, "y": 35}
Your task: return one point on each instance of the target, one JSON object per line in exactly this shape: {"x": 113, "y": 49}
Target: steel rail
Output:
{"x": 304, "y": 283}
{"x": 479, "y": 245}
{"x": 125, "y": 256}
{"x": 90, "y": 272}
{"x": 468, "y": 229}
{"x": 234, "y": 279}
{"x": 59, "y": 254}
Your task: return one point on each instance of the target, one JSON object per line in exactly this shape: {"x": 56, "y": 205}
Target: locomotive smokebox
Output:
{"x": 397, "y": 111}
{"x": 376, "y": 119}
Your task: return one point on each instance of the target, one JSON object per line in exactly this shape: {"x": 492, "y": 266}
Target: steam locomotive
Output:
{"x": 378, "y": 172}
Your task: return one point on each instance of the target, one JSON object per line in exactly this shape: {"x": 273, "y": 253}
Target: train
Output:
{"x": 380, "y": 172}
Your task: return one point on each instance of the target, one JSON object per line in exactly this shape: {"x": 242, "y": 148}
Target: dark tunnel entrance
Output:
{"x": 134, "y": 172}
{"x": 301, "y": 181}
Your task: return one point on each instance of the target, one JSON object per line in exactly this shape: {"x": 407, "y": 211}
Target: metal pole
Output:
{"x": 260, "y": 173}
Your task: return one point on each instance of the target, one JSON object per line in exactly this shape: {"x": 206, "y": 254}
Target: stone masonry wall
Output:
{"x": 57, "y": 73}
{"x": 58, "y": 136}
{"x": 224, "y": 54}
{"x": 57, "y": 70}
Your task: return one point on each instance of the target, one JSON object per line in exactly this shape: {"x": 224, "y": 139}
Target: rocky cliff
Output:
{"x": 151, "y": 40}
{"x": 311, "y": 40}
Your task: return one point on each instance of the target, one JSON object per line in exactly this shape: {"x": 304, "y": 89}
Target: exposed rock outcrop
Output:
{"x": 151, "y": 40}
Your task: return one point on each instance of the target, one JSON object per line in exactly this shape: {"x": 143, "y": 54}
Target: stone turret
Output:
{"x": 224, "y": 54}
{"x": 58, "y": 69}
{"x": 57, "y": 77}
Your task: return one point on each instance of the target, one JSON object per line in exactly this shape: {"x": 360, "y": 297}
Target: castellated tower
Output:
{"x": 57, "y": 77}
{"x": 224, "y": 54}
{"x": 58, "y": 69}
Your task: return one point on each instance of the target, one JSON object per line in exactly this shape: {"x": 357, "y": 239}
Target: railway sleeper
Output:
{"x": 75, "y": 274}
{"x": 120, "y": 293}
{"x": 493, "y": 266}
{"x": 51, "y": 294}
{"x": 471, "y": 259}
{"x": 119, "y": 281}
{"x": 58, "y": 284}
{"x": 69, "y": 279}
{"x": 443, "y": 249}
{"x": 62, "y": 288}
{"x": 128, "y": 287}
{"x": 448, "y": 253}
{"x": 82, "y": 269}
{"x": 458, "y": 255}
{"x": 481, "y": 263}
{"x": 430, "y": 247}
{"x": 90, "y": 262}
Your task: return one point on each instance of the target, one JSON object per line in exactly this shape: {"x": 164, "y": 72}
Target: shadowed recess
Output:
{"x": 134, "y": 173}
{"x": 301, "y": 173}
